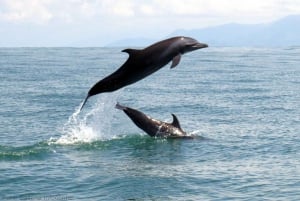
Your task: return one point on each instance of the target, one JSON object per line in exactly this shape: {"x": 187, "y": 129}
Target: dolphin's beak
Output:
{"x": 195, "y": 45}
{"x": 199, "y": 45}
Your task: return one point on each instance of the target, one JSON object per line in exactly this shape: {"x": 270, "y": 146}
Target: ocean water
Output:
{"x": 243, "y": 103}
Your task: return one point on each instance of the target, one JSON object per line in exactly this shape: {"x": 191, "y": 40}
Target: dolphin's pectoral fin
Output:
{"x": 175, "y": 121}
{"x": 176, "y": 60}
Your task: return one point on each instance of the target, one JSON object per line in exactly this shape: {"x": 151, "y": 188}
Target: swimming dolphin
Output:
{"x": 153, "y": 127}
{"x": 144, "y": 62}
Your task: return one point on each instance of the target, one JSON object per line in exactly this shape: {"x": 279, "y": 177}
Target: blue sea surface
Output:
{"x": 242, "y": 103}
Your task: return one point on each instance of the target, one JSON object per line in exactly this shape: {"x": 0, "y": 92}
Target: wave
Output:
{"x": 36, "y": 151}
{"x": 45, "y": 149}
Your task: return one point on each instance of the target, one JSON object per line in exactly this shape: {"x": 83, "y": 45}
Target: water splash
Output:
{"x": 196, "y": 132}
{"x": 91, "y": 124}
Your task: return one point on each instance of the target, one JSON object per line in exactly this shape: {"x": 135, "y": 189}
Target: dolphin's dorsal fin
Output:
{"x": 131, "y": 52}
{"x": 175, "y": 121}
{"x": 175, "y": 60}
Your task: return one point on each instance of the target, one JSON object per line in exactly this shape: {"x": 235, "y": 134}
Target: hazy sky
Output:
{"x": 116, "y": 19}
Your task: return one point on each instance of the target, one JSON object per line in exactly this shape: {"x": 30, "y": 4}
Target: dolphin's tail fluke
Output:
{"x": 120, "y": 107}
{"x": 84, "y": 102}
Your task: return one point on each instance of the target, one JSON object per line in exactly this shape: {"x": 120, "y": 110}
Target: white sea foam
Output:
{"x": 90, "y": 124}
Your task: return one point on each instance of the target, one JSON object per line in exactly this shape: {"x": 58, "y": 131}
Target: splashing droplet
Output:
{"x": 91, "y": 124}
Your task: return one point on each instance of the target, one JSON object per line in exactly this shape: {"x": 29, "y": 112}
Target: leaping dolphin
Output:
{"x": 144, "y": 62}
{"x": 153, "y": 127}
